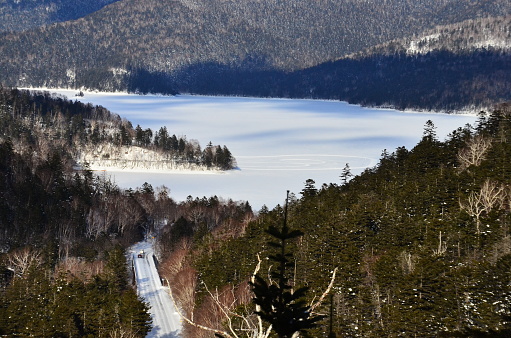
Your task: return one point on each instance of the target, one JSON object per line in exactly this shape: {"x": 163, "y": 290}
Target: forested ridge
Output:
{"x": 439, "y": 81}
{"x": 64, "y": 230}
{"x": 463, "y": 66}
{"x": 39, "y": 122}
{"x": 420, "y": 242}
{"x": 177, "y": 46}
{"x": 463, "y": 37}
{"x": 19, "y": 15}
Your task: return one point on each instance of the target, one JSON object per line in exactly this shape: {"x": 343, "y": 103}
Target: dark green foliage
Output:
{"x": 411, "y": 261}
{"x": 280, "y": 305}
{"x": 116, "y": 268}
{"x": 309, "y": 190}
{"x": 65, "y": 306}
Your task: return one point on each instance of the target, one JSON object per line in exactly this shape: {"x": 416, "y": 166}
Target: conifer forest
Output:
{"x": 419, "y": 246}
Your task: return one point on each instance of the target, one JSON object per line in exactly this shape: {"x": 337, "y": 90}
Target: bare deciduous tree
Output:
{"x": 122, "y": 333}
{"x": 474, "y": 153}
{"x": 74, "y": 267}
{"x": 442, "y": 246}
{"x": 225, "y": 302}
{"x": 407, "y": 262}
{"x": 21, "y": 260}
{"x": 492, "y": 195}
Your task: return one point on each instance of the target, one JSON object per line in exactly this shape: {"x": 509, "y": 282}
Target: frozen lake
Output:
{"x": 278, "y": 143}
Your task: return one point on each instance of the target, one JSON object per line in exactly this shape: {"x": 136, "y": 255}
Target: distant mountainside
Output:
{"x": 463, "y": 37}
{"x": 454, "y": 67}
{"x": 188, "y": 45}
{"x": 20, "y": 15}
{"x": 464, "y": 66}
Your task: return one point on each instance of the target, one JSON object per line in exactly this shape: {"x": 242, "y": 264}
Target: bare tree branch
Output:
{"x": 490, "y": 196}
{"x": 474, "y": 153}
{"x": 226, "y": 306}
{"x": 21, "y": 260}
{"x": 189, "y": 321}
{"x": 327, "y": 291}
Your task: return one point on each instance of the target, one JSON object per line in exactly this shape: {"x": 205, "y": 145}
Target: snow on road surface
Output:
{"x": 166, "y": 320}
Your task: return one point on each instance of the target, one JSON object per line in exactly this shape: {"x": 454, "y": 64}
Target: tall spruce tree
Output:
{"x": 280, "y": 305}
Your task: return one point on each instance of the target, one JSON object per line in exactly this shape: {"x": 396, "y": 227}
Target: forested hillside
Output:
{"x": 64, "y": 230}
{"x": 20, "y": 15}
{"x": 463, "y": 66}
{"x": 436, "y": 81}
{"x": 39, "y": 122}
{"x": 176, "y": 46}
{"x": 419, "y": 243}
{"x": 463, "y": 37}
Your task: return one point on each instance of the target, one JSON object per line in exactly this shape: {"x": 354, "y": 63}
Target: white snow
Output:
{"x": 166, "y": 320}
{"x": 425, "y": 40}
{"x": 278, "y": 143}
{"x": 133, "y": 158}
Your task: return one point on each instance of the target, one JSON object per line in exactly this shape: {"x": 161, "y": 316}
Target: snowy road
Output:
{"x": 166, "y": 321}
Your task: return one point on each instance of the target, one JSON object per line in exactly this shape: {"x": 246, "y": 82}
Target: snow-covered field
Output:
{"x": 278, "y": 143}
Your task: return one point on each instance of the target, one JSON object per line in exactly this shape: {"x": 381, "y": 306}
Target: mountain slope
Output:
{"x": 418, "y": 252}
{"x": 19, "y": 15}
{"x": 463, "y": 37}
{"x": 109, "y": 49}
{"x": 464, "y": 66}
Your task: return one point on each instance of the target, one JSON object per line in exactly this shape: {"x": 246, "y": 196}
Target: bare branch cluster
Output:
{"x": 491, "y": 195}
{"x": 23, "y": 259}
{"x": 224, "y": 307}
{"x": 474, "y": 153}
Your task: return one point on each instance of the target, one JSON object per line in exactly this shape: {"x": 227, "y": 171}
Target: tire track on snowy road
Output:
{"x": 166, "y": 321}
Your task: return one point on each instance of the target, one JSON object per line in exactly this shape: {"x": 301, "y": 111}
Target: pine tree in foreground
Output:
{"x": 279, "y": 305}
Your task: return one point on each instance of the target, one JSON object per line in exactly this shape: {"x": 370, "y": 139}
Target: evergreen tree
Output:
{"x": 280, "y": 305}
{"x": 134, "y": 314}
{"x": 117, "y": 269}
{"x": 139, "y": 135}
{"x": 346, "y": 174}
{"x": 310, "y": 189}
{"x": 227, "y": 162}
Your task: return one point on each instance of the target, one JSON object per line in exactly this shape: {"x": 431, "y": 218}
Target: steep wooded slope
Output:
{"x": 109, "y": 49}
{"x": 453, "y": 67}
{"x": 20, "y": 15}
{"x": 421, "y": 242}
{"x": 63, "y": 270}
{"x": 462, "y": 37}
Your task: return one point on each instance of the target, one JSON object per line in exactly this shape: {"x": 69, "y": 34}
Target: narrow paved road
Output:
{"x": 166, "y": 321}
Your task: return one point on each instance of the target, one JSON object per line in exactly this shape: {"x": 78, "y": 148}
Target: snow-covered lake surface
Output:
{"x": 278, "y": 143}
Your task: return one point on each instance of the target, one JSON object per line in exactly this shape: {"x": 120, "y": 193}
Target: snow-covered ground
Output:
{"x": 166, "y": 321}
{"x": 278, "y": 143}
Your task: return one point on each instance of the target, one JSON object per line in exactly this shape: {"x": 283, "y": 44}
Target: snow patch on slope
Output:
{"x": 112, "y": 157}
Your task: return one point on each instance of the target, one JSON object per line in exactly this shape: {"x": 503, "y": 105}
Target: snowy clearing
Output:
{"x": 278, "y": 143}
